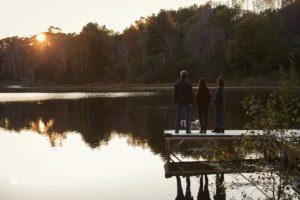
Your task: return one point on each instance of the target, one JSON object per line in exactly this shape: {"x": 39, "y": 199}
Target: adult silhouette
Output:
{"x": 183, "y": 98}
{"x": 203, "y": 193}
{"x": 220, "y": 106}
{"x": 188, "y": 194}
{"x": 220, "y": 188}
{"x": 180, "y": 195}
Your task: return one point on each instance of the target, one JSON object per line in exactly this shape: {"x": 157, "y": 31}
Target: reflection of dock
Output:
{"x": 175, "y": 167}
{"x": 192, "y": 168}
{"x": 208, "y": 167}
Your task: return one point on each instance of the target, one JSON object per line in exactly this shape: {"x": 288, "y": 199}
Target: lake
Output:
{"x": 105, "y": 146}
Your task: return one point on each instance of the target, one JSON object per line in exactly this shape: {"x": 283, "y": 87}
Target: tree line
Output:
{"x": 207, "y": 41}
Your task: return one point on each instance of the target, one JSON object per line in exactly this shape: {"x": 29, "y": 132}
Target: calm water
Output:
{"x": 102, "y": 146}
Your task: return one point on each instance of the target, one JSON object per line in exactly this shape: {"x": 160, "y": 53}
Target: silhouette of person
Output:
{"x": 183, "y": 98}
{"x": 203, "y": 193}
{"x": 220, "y": 106}
{"x": 220, "y": 188}
{"x": 188, "y": 194}
{"x": 180, "y": 195}
{"x": 203, "y": 99}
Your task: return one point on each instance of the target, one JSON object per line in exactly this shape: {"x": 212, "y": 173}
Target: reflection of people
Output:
{"x": 203, "y": 98}
{"x": 220, "y": 188}
{"x": 183, "y": 98}
{"x": 220, "y": 106}
{"x": 188, "y": 194}
{"x": 180, "y": 195}
{"x": 203, "y": 193}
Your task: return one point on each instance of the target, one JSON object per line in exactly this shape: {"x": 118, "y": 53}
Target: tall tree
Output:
{"x": 93, "y": 53}
{"x": 18, "y": 59}
{"x": 258, "y": 46}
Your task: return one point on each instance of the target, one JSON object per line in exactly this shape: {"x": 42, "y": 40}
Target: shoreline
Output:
{"x": 114, "y": 88}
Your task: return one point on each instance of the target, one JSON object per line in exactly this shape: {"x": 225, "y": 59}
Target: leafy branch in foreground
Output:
{"x": 278, "y": 119}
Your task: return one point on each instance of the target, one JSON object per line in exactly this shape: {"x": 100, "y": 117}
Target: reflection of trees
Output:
{"x": 143, "y": 119}
{"x": 94, "y": 119}
{"x": 46, "y": 129}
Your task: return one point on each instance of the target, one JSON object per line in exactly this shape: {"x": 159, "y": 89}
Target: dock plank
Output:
{"x": 229, "y": 134}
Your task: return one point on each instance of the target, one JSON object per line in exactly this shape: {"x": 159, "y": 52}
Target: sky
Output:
{"x": 29, "y": 17}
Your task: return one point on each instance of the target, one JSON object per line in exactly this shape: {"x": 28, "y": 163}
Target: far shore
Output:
{"x": 110, "y": 87}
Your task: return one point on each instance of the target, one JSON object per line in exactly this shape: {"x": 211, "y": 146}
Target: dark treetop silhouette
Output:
{"x": 204, "y": 40}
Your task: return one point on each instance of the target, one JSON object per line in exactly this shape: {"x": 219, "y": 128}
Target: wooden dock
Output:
{"x": 229, "y": 134}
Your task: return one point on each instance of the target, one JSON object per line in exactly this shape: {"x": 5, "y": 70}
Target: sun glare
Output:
{"x": 41, "y": 37}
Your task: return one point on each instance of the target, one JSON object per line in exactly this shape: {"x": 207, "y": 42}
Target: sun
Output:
{"x": 40, "y": 37}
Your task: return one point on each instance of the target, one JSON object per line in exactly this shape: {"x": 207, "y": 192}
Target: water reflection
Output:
{"x": 203, "y": 192}
{"x": 220, "y": 188}
{"x": 188, "y": 194}
{"x": 106, "y": 148}
{"x": 46, "y": 128}
{"x": 142, "y": 116}
{"x": 31, "y": 169}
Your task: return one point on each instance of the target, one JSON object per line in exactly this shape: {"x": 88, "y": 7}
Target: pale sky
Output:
{"x": 28, "y": 17}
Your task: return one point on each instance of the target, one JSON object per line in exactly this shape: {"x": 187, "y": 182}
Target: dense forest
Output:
{"x": 207, "y": 41}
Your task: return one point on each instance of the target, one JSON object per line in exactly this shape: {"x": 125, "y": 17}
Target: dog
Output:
{"x": 194, "y": 125}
